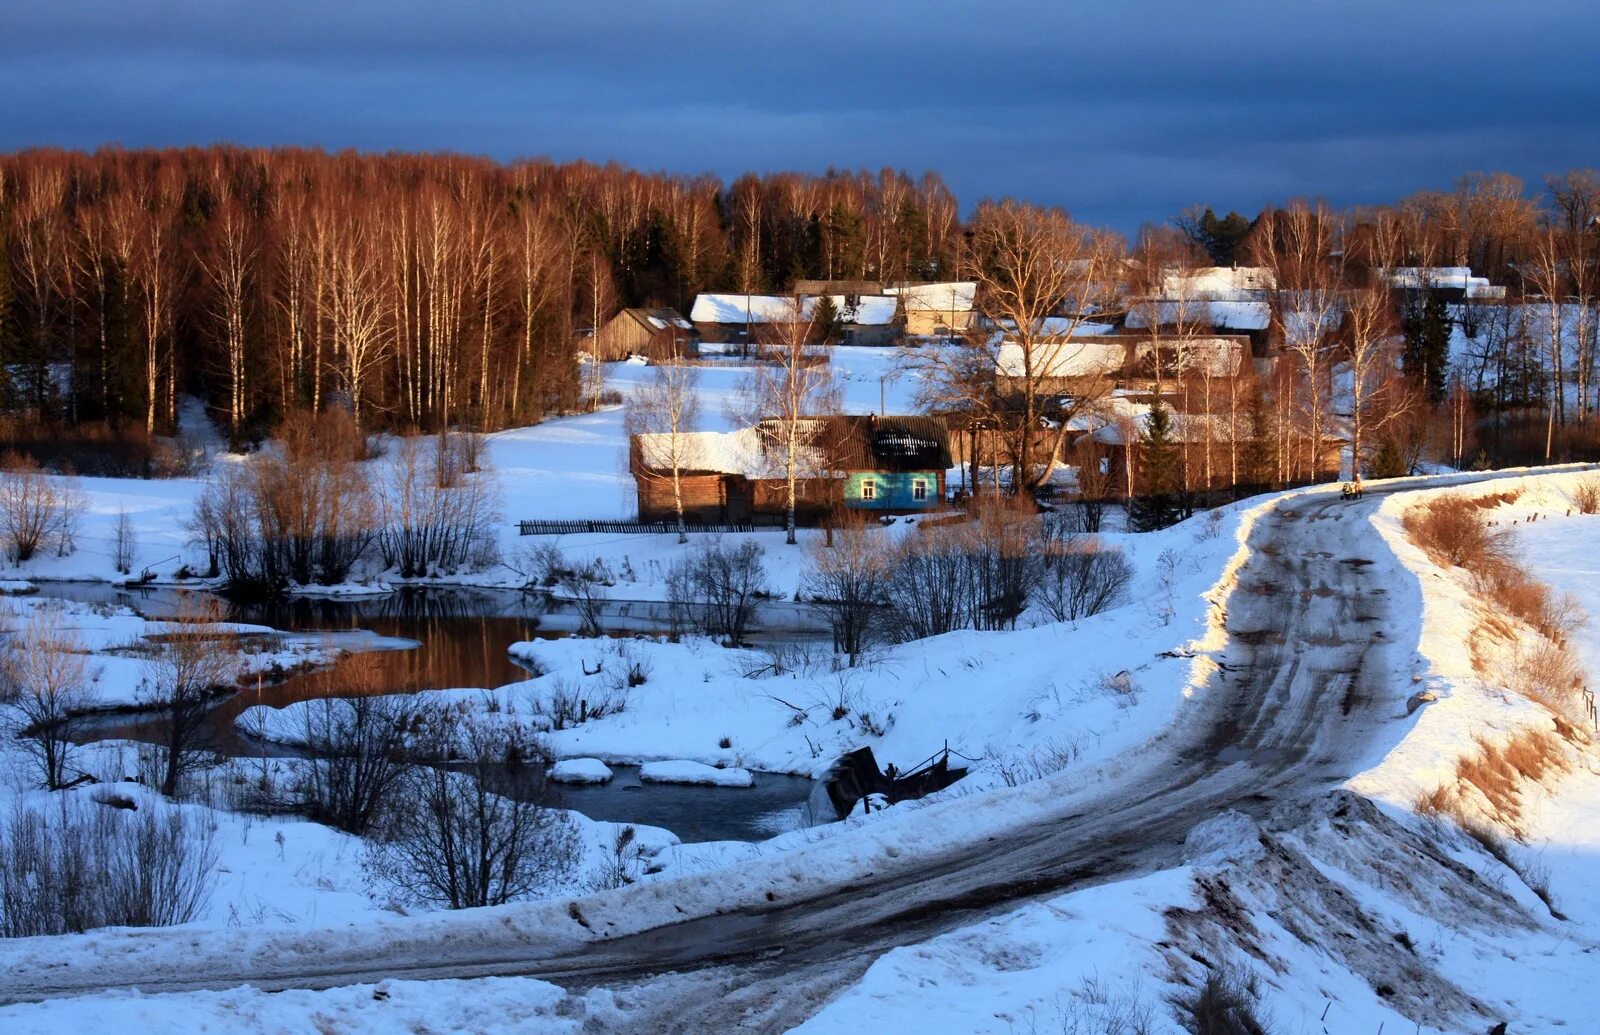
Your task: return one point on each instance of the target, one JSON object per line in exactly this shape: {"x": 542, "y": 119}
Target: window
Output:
{"x": 919, "y": 489}
{"x": 869, "y": 489}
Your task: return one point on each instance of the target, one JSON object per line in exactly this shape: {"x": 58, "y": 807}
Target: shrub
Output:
{"x": 37, "y": 510}
{"x": 78, "y": 866}
{"x": 1225, "y": 1005}
{"x": 1586, "y": 495}
{"x": 479, "y": 833}
{"x": 1453, "y": 532}
{"x": 719, "y": 587}
{"x": 353, "y": 746}
{"x": 1079, "y": 579}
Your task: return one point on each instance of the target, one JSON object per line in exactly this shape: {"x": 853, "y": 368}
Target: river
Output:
{"x": 432, "y": 639}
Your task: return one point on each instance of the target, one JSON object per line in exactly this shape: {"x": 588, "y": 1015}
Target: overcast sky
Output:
{"x": 1121, "y": 110}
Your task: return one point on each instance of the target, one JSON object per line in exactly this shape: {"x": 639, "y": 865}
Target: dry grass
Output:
{"x": 1452, "y": 531}
{"x": 1586, "y": 495}
{"x": 1498, "y": 773}
{"x": 1455, "y": 532}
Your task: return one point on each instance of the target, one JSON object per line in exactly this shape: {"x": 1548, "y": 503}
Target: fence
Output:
{"x": 633, "y": 527}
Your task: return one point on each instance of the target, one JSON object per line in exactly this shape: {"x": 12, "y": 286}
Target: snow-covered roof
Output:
{"x": 1448, "y": 277}
{"x": 1067, "y": 358}
{"x": 1229, "y": 315}
{"x": 951, "y": 296}
{"x": 869, "y": 310}
{"x": 1220, "y": 283}
{"x": 721, "y": 452}
{"x": 713, "y": 308}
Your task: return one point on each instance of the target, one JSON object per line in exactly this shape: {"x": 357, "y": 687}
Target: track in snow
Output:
{"x": 1293, "y": 702}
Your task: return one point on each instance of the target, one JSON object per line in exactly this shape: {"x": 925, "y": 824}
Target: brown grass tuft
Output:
{"x": 1586, "y": 495}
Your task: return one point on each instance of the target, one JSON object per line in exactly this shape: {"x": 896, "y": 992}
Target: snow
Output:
{"x": 869, "y": 310}
{"x": 1218, "y": 283}
{"x": 1222, "y": 315}
{"x": 681, "y": 771}
{"x": 292, "y": 890}
{"x": 1063, "y": 359}
{"x": 949, "y": 296}
{"x": 580, "y": 770}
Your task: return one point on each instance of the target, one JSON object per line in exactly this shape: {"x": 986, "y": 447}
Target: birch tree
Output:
{"x": 666, "y": 408}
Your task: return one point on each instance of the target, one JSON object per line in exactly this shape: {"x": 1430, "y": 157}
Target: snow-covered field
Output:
{"x": 1338, "y": 913}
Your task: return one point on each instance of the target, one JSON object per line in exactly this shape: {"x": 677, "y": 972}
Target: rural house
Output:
{"x": 740, "y": 319}
{"x": 936, "y": 310}
{"x": 886, "y": 465}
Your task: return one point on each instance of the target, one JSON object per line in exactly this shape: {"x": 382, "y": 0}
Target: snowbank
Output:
{"x": 580, "y": 770}
{"x": 694, "y": 773}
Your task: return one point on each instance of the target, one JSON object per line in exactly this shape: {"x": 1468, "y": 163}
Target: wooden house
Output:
{"x": 656, "y": 334}
{"x": 752, "y": 319}
{"x": 886, "y": 465}
{"x": 942, "y": 310}
{"x": 1090, "y": 364}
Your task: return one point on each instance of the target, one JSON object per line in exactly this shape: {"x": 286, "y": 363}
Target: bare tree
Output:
{"x": 44, "y": 682}
{"x": 1371, "y": 351}
{"x": 666, "y": 408}
{"x": 124, "y": 542}
{"x": 229, "y": 265}
{"x": 722, "y": 586}
{"x": 1300, "y": 246}
{"x": 469, "y": 834}
{"x": 196, "y": 660}
{"x": 36, "y": 509}
{"x": 784, "y": 398}
{"x": 845, "y": 583}
{"x": 1033, "y": 264}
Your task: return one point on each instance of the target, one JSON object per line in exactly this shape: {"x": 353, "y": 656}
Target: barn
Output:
{"x": 657, "y": 334}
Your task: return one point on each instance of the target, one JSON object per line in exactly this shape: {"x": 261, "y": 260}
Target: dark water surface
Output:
{"x": 438, "y": 639}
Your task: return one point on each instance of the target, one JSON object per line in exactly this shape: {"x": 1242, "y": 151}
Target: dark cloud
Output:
{"x": 1123, "y": 112}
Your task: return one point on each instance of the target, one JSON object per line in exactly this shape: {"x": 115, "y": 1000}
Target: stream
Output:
{"x": 432, "y": 639}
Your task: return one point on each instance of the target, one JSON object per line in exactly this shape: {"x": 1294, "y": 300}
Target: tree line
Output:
{"x": 417, "y": 291}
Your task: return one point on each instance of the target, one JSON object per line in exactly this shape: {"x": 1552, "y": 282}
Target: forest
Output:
{"x": 427, "y": 291}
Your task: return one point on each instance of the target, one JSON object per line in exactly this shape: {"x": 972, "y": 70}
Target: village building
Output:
{"x": 656, "y": 334}
{"x": 1450, "y": 283}
{"x": 941, "y": 310}
{"x": 1091, "y": 364}
{"x": 886, "y": 465}
{"x": 736, "y": 319}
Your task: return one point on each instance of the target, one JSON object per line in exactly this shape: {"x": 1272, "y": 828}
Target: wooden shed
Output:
{"x": 659, "y": 333}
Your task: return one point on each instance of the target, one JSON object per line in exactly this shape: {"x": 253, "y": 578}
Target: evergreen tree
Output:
{"x": 1160, "y": 503}
{"x": 1390, "y": 461}
{"x": 1259, "y": 457}
{"x": 1223, "y": 237}
{"x": 1427, "y": 349}
{"x": 8, "y": 332}
{"x": 826, "y": 318}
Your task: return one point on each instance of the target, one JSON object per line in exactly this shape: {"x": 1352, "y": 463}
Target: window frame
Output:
{"x": 869, "y": 489}
{"x": 919, "y": 490}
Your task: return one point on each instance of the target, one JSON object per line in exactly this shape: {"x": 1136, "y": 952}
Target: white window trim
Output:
{"x": 869, "y": 488}
{"x": 919, "y": 489}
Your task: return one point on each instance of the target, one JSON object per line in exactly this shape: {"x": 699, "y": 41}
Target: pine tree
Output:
{"x": 827, "y": 320}
{"x": 1390, "y": 461}
{"x": 8, "y": 335}
{"x": 1427, "y": 349}
{"x": 1159, "y": 505}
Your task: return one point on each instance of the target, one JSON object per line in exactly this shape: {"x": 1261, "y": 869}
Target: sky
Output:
{"x": 1122, "y": 111}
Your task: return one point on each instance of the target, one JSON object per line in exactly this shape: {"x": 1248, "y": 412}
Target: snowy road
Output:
{"x": 1303, "y": 682}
